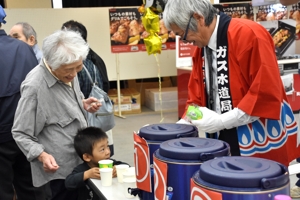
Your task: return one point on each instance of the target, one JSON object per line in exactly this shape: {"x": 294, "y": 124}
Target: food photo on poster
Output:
{"x": 271, "y": 12}
{"x": 295, "y": 15}
{"x": 127, "y": 31}
{"x": 275, "y": 18}
{"x": 284, "y": 38}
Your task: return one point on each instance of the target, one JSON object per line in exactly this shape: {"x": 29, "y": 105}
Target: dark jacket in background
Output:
{"x": 99, "y": 63}
{"x": 16, "y": 60}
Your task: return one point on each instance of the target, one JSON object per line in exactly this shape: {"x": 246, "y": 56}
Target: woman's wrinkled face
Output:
{"x": 66, "y": 73}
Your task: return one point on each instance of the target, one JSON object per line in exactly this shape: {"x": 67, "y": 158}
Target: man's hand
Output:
{"x": 182, "y": 121}
{"x": 92, "y": 173}
{"x": 211, "y": 121}
{"x": 49, "y": 163}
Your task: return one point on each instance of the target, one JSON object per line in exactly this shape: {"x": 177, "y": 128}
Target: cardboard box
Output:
{"x": 130, "y": 100}
{"x": 142, "y": 84}
{"x": 167, "y": 99}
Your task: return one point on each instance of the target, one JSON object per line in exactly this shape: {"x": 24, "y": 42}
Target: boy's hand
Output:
{"x": 92, "y": 173}
{"x": 114, "y": 174}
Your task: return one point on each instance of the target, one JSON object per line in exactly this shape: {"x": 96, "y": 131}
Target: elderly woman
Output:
{"x": 51, "y": 110}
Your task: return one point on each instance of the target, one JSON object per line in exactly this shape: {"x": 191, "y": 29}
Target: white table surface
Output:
{"x": 294, "y": 169}
{"x": 113, "y": 192}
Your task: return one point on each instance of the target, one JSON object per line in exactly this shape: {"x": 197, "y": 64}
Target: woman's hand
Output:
{"x": 91, "y": 104}
{"x": 49, "y": 163}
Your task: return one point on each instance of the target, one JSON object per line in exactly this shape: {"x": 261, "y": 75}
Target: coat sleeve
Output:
{"x": 256, "y": 87}
{"x": 75, "y": 179}
{"x": 25, "y": 130}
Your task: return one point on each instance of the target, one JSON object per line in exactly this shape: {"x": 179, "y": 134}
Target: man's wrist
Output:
{"x": 228, "y": 119}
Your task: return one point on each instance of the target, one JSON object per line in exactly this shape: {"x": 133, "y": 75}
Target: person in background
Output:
{"x": 15, "y": 173}
{"x": 51, "y": 110}
{"x": 92, "y": 56}
{"x": 24, "y": 32}
{"x": 91, "y": 145}
{"x": 92, "y": 60}
{"x": 240, "y": 93}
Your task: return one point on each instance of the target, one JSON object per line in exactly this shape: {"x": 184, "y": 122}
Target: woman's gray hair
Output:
{"x": 64, "y": 47}
{"x": 178, "y": 12}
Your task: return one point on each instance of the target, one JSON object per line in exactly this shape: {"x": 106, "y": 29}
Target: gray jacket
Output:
{"x": 47, "y": 118}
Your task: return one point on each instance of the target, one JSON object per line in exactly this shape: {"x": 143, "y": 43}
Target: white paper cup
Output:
{"x": 120, "y": 170}
{"x": 105, "y": 164}
{"x": 131, "y": 170}
{"x": 106, "y": 176}
{"x": 129, "y": 173}
{"x": 127, "y": 184}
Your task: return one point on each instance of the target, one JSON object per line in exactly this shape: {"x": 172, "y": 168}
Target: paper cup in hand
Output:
{"x": 105, "y": 164}
{"x": 106, "y": 176}
{"x": 120, "y": 170}
{"x": 128, "y": 184}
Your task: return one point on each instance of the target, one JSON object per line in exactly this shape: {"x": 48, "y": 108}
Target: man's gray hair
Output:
{"x": 64, "y": 47}
{"x": 28, "y": 30}
{"x": 178, "y": 12}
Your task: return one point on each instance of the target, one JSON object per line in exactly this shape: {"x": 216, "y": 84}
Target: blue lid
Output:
{"x": 244, "y": 172}
{"x": 193, "y": 149}
{"x": 163, "y": 132}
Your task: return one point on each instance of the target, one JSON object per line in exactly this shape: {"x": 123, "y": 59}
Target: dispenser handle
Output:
{"x": 267, "y": 183}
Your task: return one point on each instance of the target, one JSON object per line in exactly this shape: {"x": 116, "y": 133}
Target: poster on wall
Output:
{"x": 271, "y": 12}
{"x": 276, "y": 19}
{"x": 282, "y": 24}
{"x": 241, "y": 10}
{"x": 184, "y": 53}
{"x": 127, "y": 32}
{"x": 294, "y": 14}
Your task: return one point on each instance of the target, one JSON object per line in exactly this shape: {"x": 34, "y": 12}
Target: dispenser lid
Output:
{"x": 193, "y": 149}
{"x": 244, "y": 172}
{"x": 163, "y": 132}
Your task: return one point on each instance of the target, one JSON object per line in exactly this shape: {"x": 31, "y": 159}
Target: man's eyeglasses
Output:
{"x": 186, "y": 31}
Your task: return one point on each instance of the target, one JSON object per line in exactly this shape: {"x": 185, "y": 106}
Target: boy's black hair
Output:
{"x": 77, "y": 27}
{"x": 85, "y": 139}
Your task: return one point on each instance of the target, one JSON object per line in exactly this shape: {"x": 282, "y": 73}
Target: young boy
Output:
{"x": 91, "y": 144}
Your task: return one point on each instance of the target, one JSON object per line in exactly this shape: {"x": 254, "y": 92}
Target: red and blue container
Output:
{"x": 176, "y": 161}
{"x": 155, "y": 134}
{"x": 240, "y": 178}
{"x": 146, "y": 142}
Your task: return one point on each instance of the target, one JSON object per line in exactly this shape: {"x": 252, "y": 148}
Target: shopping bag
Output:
{"x": 104, "y": 117}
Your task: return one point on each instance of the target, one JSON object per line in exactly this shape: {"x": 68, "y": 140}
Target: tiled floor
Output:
{"x": 123, "y": 132}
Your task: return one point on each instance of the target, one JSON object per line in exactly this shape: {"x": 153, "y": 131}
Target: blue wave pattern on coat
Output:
{"x": 264, "y": 135}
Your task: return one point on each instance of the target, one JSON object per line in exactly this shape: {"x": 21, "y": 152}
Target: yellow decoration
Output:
{"x": 150, "y": 21}
{"x": 153, "y": 44}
